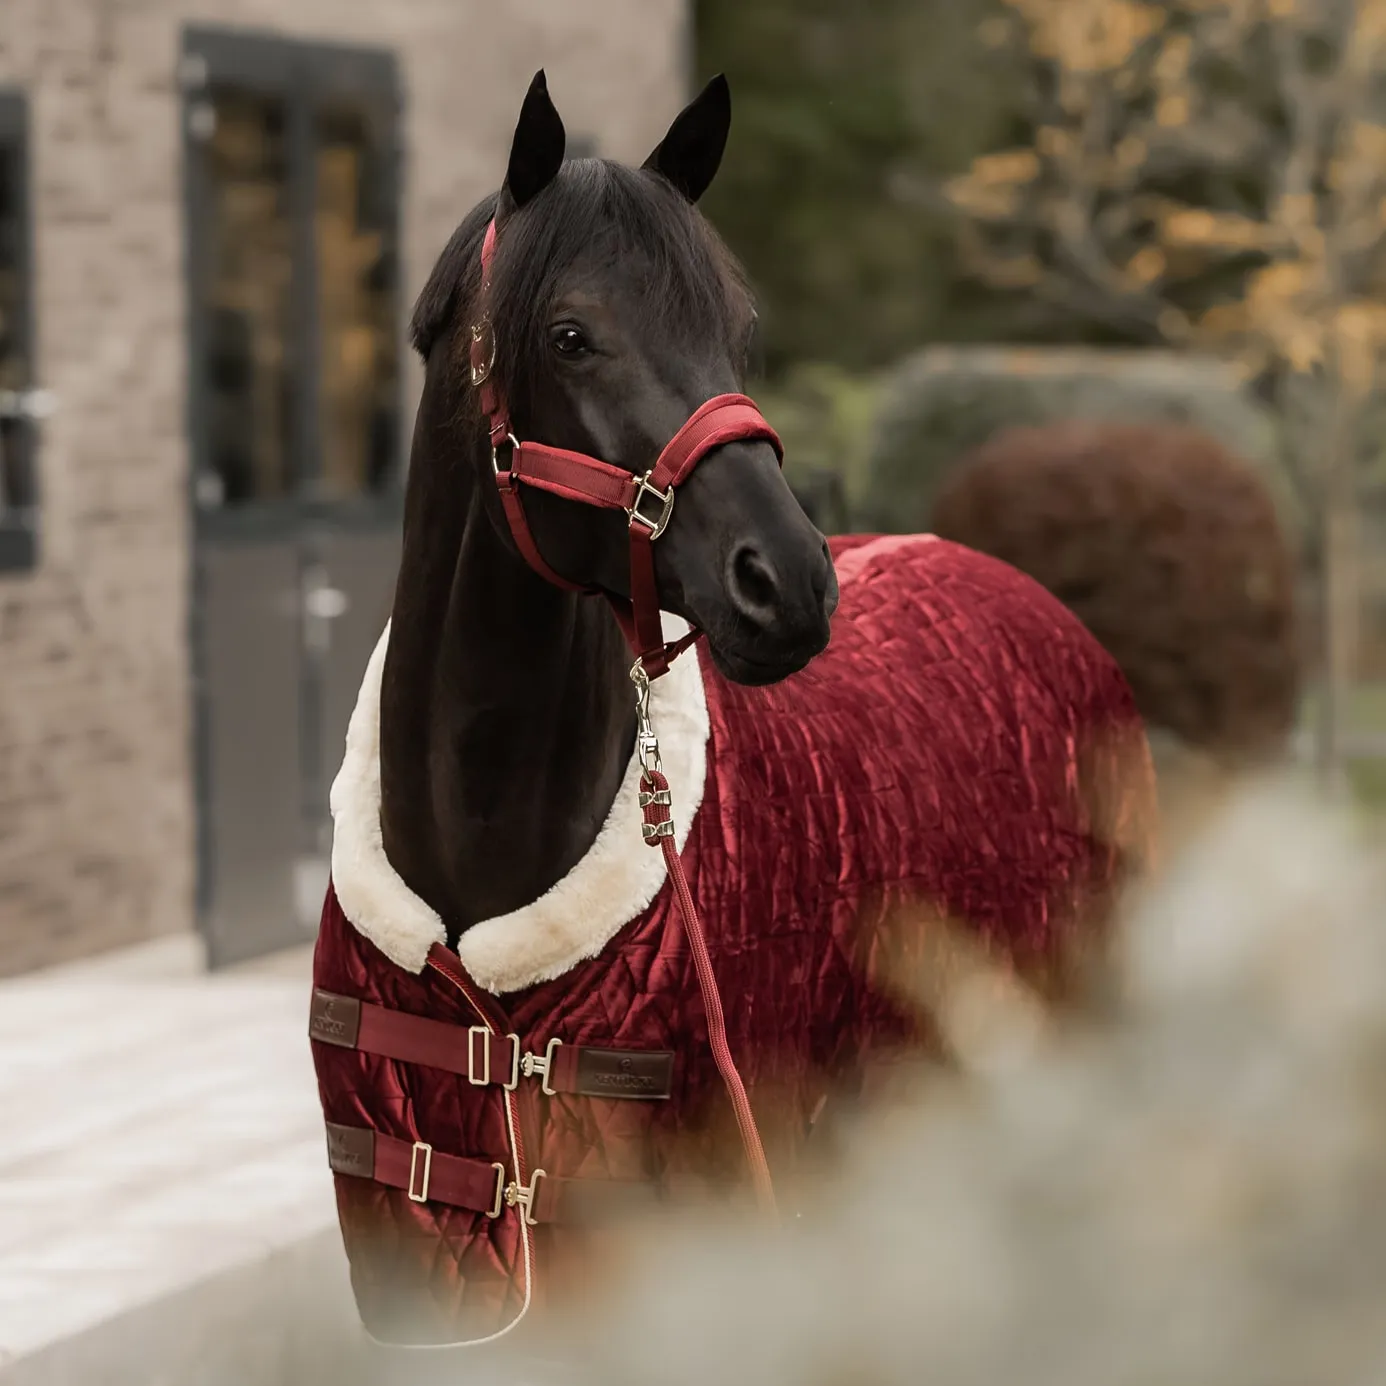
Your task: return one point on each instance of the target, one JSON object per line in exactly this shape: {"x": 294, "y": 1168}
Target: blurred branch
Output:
{"x": 1211, "y": 171}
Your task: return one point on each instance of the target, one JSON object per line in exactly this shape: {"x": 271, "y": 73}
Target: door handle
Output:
{"x": 325, "y": 603}
{"x": 27, "y": 404}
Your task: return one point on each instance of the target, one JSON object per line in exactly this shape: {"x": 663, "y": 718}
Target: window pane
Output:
{"x": 354, "y": 229}
{"x": 15, "y": 432}
{"x": 248, "y": 365}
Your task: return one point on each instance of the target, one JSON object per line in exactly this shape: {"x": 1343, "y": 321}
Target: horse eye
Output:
{"x": 568, "y": 340}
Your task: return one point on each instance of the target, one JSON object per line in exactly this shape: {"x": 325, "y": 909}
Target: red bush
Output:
{"x": 1167, "y": 547}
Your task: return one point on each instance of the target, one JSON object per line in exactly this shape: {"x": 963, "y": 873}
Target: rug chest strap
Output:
{"x": 432, "y": 1176}
{"x": 487, "y": 1060}
{"x": 427, "y": 1175}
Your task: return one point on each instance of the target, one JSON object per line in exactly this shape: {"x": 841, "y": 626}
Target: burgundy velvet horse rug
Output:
{"x": 963, "y": 749}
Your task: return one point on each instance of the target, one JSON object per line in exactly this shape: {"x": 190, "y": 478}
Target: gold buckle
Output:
{"x": 665, "y": 498}
{"x": 509, "y": 1084}
{"x": 481, "y": 332}
{"x": 522, "y": 1196}
{"x": 495, "y": 455}
{"x": 652, "y": 832}
{"x": 472, "y": 1032}
{"x": 533, "y": 1064}
{"x": 495, "y": 1209}
{"x": 422, "y": 1195}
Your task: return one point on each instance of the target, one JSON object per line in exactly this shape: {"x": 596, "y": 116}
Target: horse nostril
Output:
{"x": 752, "y": 585}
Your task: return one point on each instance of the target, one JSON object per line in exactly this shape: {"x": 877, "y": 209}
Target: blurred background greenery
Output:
{"x": 936, "y": 262}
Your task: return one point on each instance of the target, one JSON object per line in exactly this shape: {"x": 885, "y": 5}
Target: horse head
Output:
{"x": 609, "y": 313}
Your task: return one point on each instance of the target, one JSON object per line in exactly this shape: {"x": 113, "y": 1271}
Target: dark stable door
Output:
{"x": 294, "y": 419}
{"x": 21, "y": 406}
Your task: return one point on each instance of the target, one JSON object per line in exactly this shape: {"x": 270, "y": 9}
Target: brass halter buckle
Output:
{"x": 660, "y": 523}
{"x": 514, "y": 444}
{"x": 484, "y": 357}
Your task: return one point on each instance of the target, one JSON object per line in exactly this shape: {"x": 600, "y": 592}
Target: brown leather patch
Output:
{"x": 351, "y": 1150}
{"x": 624, "y": 1073}
{"x": 334, "y": 1019}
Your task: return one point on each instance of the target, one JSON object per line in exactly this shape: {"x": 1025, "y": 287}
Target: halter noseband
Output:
{"x": 648, "y": 500}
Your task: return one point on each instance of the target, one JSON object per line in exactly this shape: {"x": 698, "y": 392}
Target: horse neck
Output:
{"x": 507, "y": 714}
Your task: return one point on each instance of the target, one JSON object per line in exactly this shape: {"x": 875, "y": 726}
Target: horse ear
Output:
{"x": 536, "y": 153}
{"x": 689, "y": 155}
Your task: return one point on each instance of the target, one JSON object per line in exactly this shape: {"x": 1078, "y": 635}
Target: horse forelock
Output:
{"x": 611, "y": 217}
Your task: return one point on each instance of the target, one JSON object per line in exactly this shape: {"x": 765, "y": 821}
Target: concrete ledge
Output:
{"x": 284, "y": 1319}
{"x": 163, "y": 1181}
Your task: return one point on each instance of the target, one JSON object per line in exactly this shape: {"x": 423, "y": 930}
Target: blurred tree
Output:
{"x": 848, "y": 119}
{"x": 1213, "y": 172}
{"x": 1168, "y": 547}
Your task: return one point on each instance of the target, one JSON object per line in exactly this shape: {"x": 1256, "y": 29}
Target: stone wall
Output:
{"x": 96, "y": 794}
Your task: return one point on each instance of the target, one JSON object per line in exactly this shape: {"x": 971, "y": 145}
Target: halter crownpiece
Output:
{"x": 647, "y": 499}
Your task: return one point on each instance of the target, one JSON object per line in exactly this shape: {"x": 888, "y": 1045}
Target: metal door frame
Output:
{"x": 302, "y": 74}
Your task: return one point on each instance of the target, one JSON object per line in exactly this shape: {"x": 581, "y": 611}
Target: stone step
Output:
{"x": 166, "y": 1212}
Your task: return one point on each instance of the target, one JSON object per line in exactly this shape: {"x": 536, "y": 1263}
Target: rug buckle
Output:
{"x": 414, "y": 1178}
{"x": 524, "y": 1196}
{"x": 494, "y": 1211}
{"x": 532, "y": 1064}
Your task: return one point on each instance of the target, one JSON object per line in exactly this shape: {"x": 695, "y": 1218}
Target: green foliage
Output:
{"x": 941, "y": 403}
{"x": 845, "y": 115}
{"x": 824, "y": 416}
{"x": 1368, "y": 780}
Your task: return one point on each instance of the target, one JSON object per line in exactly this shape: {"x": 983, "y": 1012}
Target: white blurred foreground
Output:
{"x": 164, "y": 1195}
{"x": 1196, "y": 1194}
{"x": 1193, "y": 1190}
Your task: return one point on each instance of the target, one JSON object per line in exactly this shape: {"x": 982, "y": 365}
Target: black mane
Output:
{"x": 507, "y": 717}
{"x": 593, "y": 204}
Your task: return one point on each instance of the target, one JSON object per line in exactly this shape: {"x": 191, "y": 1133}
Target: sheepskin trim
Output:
{"x": 370, "y": 892}
{"x": 578, "y": 916}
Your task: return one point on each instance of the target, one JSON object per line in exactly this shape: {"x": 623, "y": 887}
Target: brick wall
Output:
{"x": 96, "y": 797}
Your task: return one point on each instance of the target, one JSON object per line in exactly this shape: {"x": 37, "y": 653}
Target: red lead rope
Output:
{"x": 657, "y": 815}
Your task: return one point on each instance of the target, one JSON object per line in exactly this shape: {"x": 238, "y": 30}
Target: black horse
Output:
{"x": 517, "y": 1016}
{"x": 507, "y": 716}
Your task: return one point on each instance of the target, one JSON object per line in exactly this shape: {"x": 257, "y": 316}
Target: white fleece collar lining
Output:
{"x": 573, "y": 921}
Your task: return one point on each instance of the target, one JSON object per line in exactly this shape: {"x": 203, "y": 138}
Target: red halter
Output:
{"x": 648, "y": 500}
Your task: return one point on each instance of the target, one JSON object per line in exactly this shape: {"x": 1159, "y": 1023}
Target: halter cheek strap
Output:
{"x": 648, "y": 500}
